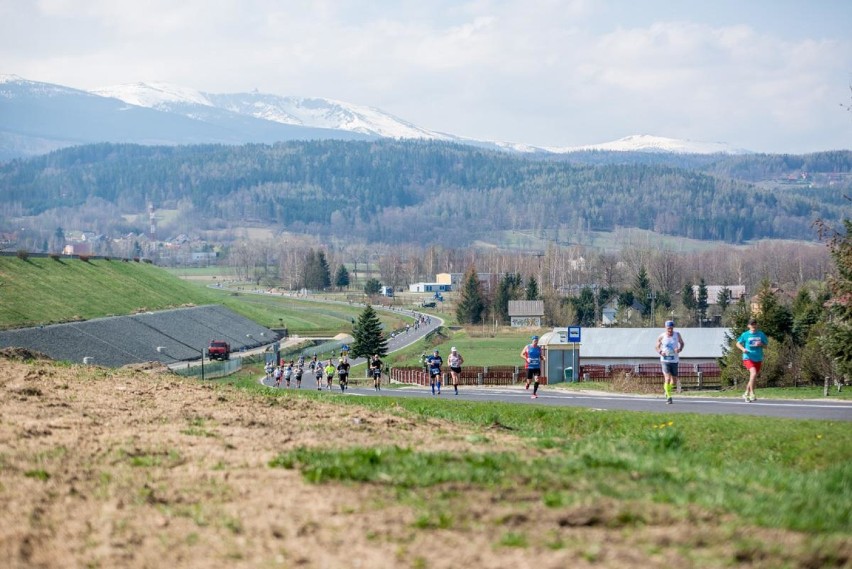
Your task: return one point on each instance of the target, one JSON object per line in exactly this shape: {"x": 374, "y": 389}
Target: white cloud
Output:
{"x": 546, "y": 72}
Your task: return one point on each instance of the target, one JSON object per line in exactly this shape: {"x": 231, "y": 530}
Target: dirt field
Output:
{"x": 139, "y": 468}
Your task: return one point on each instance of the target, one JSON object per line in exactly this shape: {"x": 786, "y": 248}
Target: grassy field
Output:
{"x": 772, "y": 473}
{"x": 42, "y": 290}
{"x": 699, "y": 490}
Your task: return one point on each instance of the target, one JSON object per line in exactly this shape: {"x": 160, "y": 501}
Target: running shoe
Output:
{"x": 668, "y": 400}
{"x": 527, "y": 385}
{"x": 534, "y": 396}
{"x": 754, "y": 397}
{"x": 745, "y": 398}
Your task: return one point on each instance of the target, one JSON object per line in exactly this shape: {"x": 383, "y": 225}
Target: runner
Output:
{"x": 455, "y": 361}
{"x": 435, "y": 362}
{"x": 532, "y": 357}
{"x": 376, "y": 371}
{"x": 669, "y": 346}
{"x": 269, "y": 369}
{"x": 751, "y": 344}
{"x": 299, "y": 371}
{"x": 288, "y": 373}
{"x": 329, "y": 375}
{"x": 343, "y": 373}
{"x": 318, "y": 375}
{"x": 276, "y": 375}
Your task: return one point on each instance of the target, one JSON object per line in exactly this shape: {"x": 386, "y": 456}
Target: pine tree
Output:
{"x": 368, "y": 336}
{"x": 532, "y": 289}
{"x": 837, "y": 342}
{"x": 687, "y": 299}
{"x": 341, "y": 278}
{"x": 372, "y": 286}
{"x": 775, "y": 319}
{"x": 723, "y": 298}
{"x": 323, "y": 271}
{"x": 585, "y": 307}
{"x": 642, "y": 288}
{"x": 701, "y": 303}
{"x": 471, "y": 305}
{"x": 317, "y": 275}
{"x": 502, "y": 297}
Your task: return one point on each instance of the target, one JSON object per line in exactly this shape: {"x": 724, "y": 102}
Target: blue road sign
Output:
{"x": 574, "y": 334}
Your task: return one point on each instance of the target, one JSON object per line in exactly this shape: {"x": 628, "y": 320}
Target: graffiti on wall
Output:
{"x": 526, "y": 321}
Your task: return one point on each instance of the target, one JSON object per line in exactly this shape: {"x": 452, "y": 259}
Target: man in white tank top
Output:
{"x": 669, "y": 346}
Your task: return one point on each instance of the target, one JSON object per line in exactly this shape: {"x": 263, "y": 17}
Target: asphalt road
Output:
{"x": 825, "y": 410}
{"x": 828, "y": 410}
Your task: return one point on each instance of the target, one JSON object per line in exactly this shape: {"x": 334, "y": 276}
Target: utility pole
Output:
{"x": 652, "y": 296}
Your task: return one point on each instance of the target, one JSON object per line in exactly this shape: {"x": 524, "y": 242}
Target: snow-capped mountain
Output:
{"x": 333, "y": 114}
{"x": 39, "y": 117}
{"x": 648, "y": 143}
{"x": 311, "y": 112}
{"x": 36, "y": 118}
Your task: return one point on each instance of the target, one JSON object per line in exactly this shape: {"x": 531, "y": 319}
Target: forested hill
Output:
{"x": 404, "y": 191}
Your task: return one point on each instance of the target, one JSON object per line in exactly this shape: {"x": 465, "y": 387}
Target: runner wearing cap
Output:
{"x": 533, "y": 357}
{"x": 669, "y": 346}
{"x": 435, "y": 361}
{"x": 455, "y": 360}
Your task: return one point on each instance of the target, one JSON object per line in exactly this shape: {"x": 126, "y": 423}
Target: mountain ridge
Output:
{"x": 237, "y": 118}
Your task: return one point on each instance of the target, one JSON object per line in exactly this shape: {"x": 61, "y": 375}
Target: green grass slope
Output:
{"x": 40, "y": 291}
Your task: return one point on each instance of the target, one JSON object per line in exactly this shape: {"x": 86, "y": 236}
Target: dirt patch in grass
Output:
{"x": 128, "y": 468}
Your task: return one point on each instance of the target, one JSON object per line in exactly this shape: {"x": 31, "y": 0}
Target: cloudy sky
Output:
{"x": 764, "y": 75}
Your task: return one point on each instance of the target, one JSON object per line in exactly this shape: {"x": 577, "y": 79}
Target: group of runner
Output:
{"x": 292, "y": 371}
{"x": 751, "y": 343}
{"x": 669, "y": 345}
{"x": 531, "y": 354}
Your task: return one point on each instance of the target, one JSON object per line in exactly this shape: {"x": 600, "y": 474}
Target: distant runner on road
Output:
{"x": 532, "y": 357}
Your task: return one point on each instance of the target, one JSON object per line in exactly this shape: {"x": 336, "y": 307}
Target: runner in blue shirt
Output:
{"x": 751, "y": 344}
{"x": 435, "y": 361}
{"x": 532, "y": 356}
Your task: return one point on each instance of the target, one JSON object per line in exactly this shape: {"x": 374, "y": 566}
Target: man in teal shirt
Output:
{"x": 751, "y": 343}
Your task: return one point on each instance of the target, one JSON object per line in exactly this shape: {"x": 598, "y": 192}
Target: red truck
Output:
{"x": 219, "y": 350}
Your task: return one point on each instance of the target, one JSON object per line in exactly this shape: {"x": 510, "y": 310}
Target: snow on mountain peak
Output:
{"x": 333, "y": 114}
{"x": 154, "y": 95}
{"x": 649, "y": 143}
{"x": 11, "y": 79}
{"x": 322, "y": 113}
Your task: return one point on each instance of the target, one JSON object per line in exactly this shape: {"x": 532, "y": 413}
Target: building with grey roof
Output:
{"x": 628, "y": 347}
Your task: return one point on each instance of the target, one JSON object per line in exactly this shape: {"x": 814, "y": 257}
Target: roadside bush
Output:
{"x": 54, "y": 256}
{"x": 84, "y": 258}
{"x": 23, "y": 254}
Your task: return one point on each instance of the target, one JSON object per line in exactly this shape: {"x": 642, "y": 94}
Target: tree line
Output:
{"x": 410, "y": 191}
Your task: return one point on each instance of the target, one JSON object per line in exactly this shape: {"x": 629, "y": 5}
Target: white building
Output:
{"x": 634, "y": 346}
{"x": 429, "y": 287}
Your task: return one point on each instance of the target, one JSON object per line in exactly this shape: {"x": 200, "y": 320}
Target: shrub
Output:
{"x": 149, "y": 261}
{"x": 135, "y": 259}
{"x": 54, "y": 256}
{"x": 23, "y": 254}
{"x": 84, "y": 258}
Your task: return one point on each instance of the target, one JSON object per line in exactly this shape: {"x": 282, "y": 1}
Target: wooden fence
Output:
{"x": 470, "y": 375}
{"x": 690, "y": 376}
